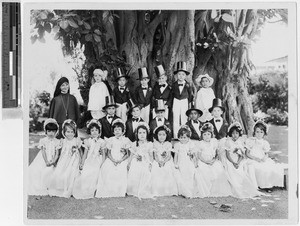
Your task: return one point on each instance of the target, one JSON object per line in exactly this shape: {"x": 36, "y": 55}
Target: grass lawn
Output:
{"x": 274, "y": 206}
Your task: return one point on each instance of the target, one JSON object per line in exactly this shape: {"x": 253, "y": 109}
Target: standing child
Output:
{"x": 163, "y": 181}
{"x": 91, "y": 162}
{"x": 112, "y": 180}
{"x": 62, "y": 180}
{"x": 98, "y": 92}
{"x": 205, "y": 96}
{"x": 121, "y": 94}
{"x": 107, "y": 121}
{"x": 135, "y": 111}
{"x": 219, "y": 124}
{"x": 144, "y": 94}
{"x": 63, "y": 105}
{"x": 182, "y": 97}
{"x": 140, "y": 164}
{"x": 264, "y": 172}
{"x": 211, "y": 168}
{"x": 160, "y": 119}
{"x": 190, "y": 182}
{"x": 234, "y": 147}
{"x": 162, "y": 90}
{"x": 43, "y": 164}
{"x": 194, "y": 123}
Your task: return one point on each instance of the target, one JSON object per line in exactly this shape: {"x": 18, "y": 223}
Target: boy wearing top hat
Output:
{"x": 182, "y": 97}
{"x": 121, "y": 94}
{"x": 106, "y": 121}
{"x": 135, "y": 111}
{"x": 194, "y": 123}
{"x": 162, "y": 90}
{"x": 160, "y": 119}
{"x": 143, "y": 94}
{"x": 220, "y": 125}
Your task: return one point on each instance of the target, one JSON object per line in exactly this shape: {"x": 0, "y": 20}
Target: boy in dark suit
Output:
{"x": 144, "y": 94}
{"x": 162, "y": 90}
{"x": 220, "y": 124}
{"x": 182, "y": 97}
{"x": 194, "y": 123}
{"x": 121, "y": 94}
{"x": 132, "y": 122}
{"x": 160, "y": 119}
{"x": 106, "y": 121}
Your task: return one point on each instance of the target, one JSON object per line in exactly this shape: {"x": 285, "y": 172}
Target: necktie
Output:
{"x": 195, "y": 121}
{"x": 135, "y": 119}
{"x": 144, "y": 88}
{"x": 218, "y": 120}
{"x": 180, "y": 84}
{"x": 163, "y": 85}
{"x": 159, "y": 119}
{"x": 110, "y": 117}
{"x": 121, "y": 88}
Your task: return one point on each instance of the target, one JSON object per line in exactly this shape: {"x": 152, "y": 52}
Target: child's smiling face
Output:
{"x": 142, "y": 134}
{"x": 259, "y": 133}
{"x": 235, "y": 135}
{"x": 162, "y": 79}
{"x": 69, "y": 133}
{"x": 194, "y": 115}
{"x": 162, "y": 136}
{"x": 183, "y": 138}
{"x": 205, "y": 82}
{"x": 64, "y": 87}
{"x": 51, "y": 133}
{"x": 97, "y": 77}
{"x": 94, "y": 132}
{"x": 217, "y": 112}
{"x": 206, "y": 136}
{"x": 181, "y": 75}
{"x": 118, "y": 131}
{"x": 122, "y": 81}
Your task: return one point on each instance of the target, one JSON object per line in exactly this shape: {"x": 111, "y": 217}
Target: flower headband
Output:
{"x": 186, "y": 127}
{"x": 51, "y": 120}
{"x": 235, "y": 124}
{"x": 207, "y": 127}
{"x": 89, "y": 123}
{"x": 260, "y": 122}
{"x": 71, "y": 123}
{"x": 142, "y": 124}
{"x": 164, "y": 127}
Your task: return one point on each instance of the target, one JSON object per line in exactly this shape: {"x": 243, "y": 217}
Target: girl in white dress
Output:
{"x": 112, "y": 180}
{"x": 91, "y": 162}
{"x": 163, "y": 181}
{"x": 242, "y": 186}
{"x": 190, "y": 182}
{"x": 264, "y": 172}
{"x": 209, "y": 165}
{"x": 98, "y": 92}
{"x": 140, "y": 164}
{"x": 205, "y": 96}
{"x": 43, "y": 164}
{"x": 62, "y": 180}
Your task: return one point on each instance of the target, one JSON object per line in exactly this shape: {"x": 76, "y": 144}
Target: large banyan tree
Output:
{"x": 210, "y": 41}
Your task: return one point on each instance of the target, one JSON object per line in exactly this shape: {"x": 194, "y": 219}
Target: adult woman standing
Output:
{"x": 63, "y": 105}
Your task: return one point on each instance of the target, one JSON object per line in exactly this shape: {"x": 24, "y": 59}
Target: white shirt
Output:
{"x": 218, "y": 124}
{"x": 135, "y": 123}
{"x": 109, "y": 119}
{"x": 160, "y": 123}
{"x": 123, "y": 89}
{"x": 144, "y": 90}
{"x": 196, "y": 126}
{"x": 181, "y": 87}
{"x": 162, "y": 88}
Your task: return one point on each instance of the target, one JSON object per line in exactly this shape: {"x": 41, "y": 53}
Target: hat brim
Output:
{"x": 193, "y": 109}
{"x": 186, "y": 72}
{"x": 110, "y": 105}
{"x": 210, "y": 79}
{"x": 210, "y": 109}
{"x": 123, "y": 76}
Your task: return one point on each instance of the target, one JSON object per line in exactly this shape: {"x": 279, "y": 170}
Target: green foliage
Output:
{"x": 270, "y": 95}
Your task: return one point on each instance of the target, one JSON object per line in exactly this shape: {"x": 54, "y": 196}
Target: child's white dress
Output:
{"x": 38, "y": 172}
{"x": 213, "y": 175}
{"x": 86, "y": 182}
{"x": 242, "y": 186}
{"x": 190, "y": 182}
{"x": 62, "y": 180}
{"x": 265, "y": 174}
{"x": 112, "y": 180}
{"x": 97, "y": 94}
{"x": 204, "y": 99}
{"x": 163, "y": 181}
{"x": 139, "y": 174}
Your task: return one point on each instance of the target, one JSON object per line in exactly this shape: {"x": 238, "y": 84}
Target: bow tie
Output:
{"x": 122, "y": 88}
{"x": 180, "y": 84}
{"x": 135, "y": 119}
{"x": 143, "y": 88}
{"x": 110, "y": 117}
{"x": 218, "y": 120}
{"x": 159, "y": 120}
{"x": 195, "y": 121}
{"x": 163, "y": 85}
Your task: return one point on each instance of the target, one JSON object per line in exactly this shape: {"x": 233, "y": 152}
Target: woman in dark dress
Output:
{"x": 63, "y": 105}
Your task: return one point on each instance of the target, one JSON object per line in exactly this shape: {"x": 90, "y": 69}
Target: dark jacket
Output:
{"x": 187, "y": 92}
{"x": 166, "y": 95}
{"x": 119, "y": 97}
{"x": 194, "y": 135}
{"x": 141, "y": 99}
{"x": 107, "y": 127}
{"x": 129, "y": 129}
{"x": 153, "y": 125}
{"x": 223, "y": 130}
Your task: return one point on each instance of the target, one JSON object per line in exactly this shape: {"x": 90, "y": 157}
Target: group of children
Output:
{"x": 129, "y": 154}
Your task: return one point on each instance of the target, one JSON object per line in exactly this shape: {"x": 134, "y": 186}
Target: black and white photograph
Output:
{"x": 160, "y": 113}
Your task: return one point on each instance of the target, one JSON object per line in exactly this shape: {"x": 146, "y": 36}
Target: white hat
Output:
{"x": 211, "y": 80}
{"x": 51, "y": 120}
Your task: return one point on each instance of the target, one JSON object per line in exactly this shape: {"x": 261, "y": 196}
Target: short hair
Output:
{"x": 162, "y": 128}
{"x": 93, "y": 125}
{"x": 51, "y": 127}
{"x": 118, "y": 124}
{"x": 184, "y": 130}
{"x": 261, "y": 126}
{"x": 235, "y": 128}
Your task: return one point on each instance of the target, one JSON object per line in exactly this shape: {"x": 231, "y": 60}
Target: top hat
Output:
{"x": 131, "y": 105}
{"x": 159, "y": 70}
{"x": 181, "y": 66}
{"x": 210, "y": 79}
{"x": 143, "y": 73}
{"x": 121, "y": 73}
{"x": 193, "y": 109}
{"x": 109, "y": 101}
{"x": 160, "y": 105}
{"x": 216, "y": 103}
